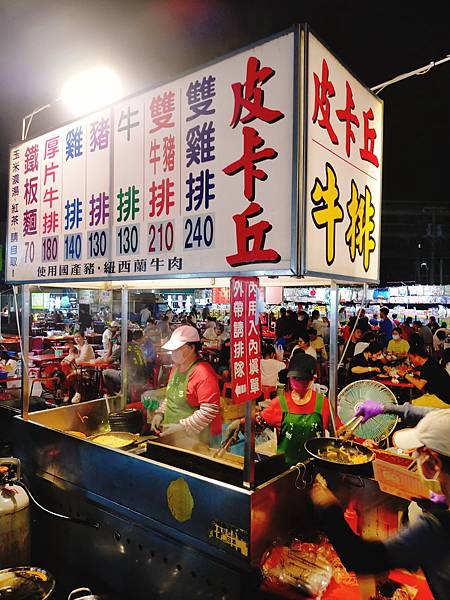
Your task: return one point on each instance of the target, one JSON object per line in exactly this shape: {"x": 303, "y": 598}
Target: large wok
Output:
{"x": 316, "y": 447}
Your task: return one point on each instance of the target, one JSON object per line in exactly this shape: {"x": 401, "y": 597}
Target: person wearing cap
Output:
{"x": 298, "y": 414}
{"x": 193, "y": 397}
{"x": 109, "y": 338}
{"x": 426, "y": 543}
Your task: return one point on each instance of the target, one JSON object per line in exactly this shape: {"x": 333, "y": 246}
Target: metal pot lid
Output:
{"x": 25, "y": 583}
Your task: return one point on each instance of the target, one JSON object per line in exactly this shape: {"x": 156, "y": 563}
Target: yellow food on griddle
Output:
{"x": 112, "y": 441}
{"x": 346, "y": 456}
{"x": 79, "y": 434}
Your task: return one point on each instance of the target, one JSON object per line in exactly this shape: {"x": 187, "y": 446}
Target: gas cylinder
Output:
{"x": 14, "y": 517}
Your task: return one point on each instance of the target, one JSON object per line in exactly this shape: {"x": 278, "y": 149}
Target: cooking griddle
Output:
{"x": 189, "y": 454}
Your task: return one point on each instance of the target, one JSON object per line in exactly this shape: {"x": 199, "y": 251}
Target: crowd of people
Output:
{"x": 374, "y": 347}
{"x": 415, "y": 352}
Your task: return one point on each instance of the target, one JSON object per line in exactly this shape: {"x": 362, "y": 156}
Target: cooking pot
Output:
{"x": 317, "y": 446}
{"x": 25, "y": 583}
{"x": 84, "y": 593}
{"x": 130, "y": 419}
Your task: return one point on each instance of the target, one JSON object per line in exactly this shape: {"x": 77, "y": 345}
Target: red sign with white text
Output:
{"x": 245, "y": 339}
{"x": 220, "y": 296}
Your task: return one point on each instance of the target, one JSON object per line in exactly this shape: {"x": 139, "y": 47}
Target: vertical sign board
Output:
{"x": 245, "y": 340}
{"x": 220, "y": 295}
{"x": 344, "y": 125}
{"x": 191, "y": 178}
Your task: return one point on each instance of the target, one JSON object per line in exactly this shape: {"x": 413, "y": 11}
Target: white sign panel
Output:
{"x": 343, "y": 179}
{"x": 194, "y": 177}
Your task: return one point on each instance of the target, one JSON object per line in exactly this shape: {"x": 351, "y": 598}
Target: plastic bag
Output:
{"x": 306, "y": 571}
{"x": 151, "y": 399}
{"x": 266, "y": 442}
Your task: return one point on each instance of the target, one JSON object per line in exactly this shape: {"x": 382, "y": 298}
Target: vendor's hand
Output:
{"x": 156, "y": 422}
{"x": 369, "y": 409}
{"x": 371, "y": 444}
{"x": 232, "y": 431}
{"x": 173, "y": 428}
{"x": 376, "y": 369}
{"x": 320, "y": 494}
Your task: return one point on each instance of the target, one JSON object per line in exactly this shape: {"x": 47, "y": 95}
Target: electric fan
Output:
{"x": 378, "y": 428}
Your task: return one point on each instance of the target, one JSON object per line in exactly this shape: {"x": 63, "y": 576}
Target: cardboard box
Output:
{"x": 392, "y": 474}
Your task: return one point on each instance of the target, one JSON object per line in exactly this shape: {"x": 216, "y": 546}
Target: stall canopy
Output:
{"x": 198, "y": 283}
{"x": 267, "y": 162}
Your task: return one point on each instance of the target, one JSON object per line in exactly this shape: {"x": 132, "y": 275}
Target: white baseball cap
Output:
{"x": 182, "y": 335}
{"x": 432, "y": 431}
{"x": 114, "y": 324}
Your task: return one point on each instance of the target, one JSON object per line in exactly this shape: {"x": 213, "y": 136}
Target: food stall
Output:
{"x": 153, "y": 193}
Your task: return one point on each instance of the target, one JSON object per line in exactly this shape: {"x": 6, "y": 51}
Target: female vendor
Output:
{"x": 193, "y": 397}
{"x": 298, "y": 414}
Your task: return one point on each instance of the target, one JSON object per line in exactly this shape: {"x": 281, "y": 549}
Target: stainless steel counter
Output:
{"x": 195, "y": 524}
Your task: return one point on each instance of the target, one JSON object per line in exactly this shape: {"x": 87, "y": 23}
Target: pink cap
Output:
{"x": 182, "y": 335}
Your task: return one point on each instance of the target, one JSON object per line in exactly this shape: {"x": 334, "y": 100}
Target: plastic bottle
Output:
{"x": 351, "y": 516}
{"x": 19, "y": 366}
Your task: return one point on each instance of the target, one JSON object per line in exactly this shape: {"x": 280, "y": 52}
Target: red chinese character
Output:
{"x": 251, "y": 95}
{"x": 30, "y": 222}
{"x": 50, "y": 172}
{"x": 161, "y": 197}
{"x": 249, "y": 158}
{"x": 169, "y": 153}
{"x": 370, "y": 135}
{"x": 31, "y": 158}
{"x": 161, "y": 111}
{"x": 323, "y": 90}
{"x": 51, "y": 195}
{"x": 349, "y": 118}
{"x": 256, "y": 233}
{"x": 50, "y": 222}
{"x": 153, "y": 156}
{"x": 51, "y": 148}
{"x": 31, "y": 186}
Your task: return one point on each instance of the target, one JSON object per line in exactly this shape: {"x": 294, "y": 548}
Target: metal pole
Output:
{"x": 123, "y": 346}
{"x": 25, "y": 350}
{"x": 249, "y": 446}
{"x": 333, "y": 359}
{"x": 433, "y": 248}
{"x": 420, "y": 71}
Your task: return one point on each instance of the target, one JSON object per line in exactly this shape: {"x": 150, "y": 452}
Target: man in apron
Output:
{"x": 192, "y": 399}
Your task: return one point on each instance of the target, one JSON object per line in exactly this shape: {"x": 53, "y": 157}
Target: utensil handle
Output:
{"x": 73, "y": 593}
{"x": 223, "y": 449}
{"x": 348, "y": 428}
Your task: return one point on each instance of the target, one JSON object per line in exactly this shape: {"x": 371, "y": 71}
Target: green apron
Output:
{"x": 177, "y": 406}
{"x": 297, "y": 429}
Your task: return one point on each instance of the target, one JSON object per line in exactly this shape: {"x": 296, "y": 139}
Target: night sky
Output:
{"x": 43, "y": 42}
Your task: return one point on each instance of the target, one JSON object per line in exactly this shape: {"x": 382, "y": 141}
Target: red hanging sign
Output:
{"x": 245, "y": 339}
{"x": 220, "y": 295}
